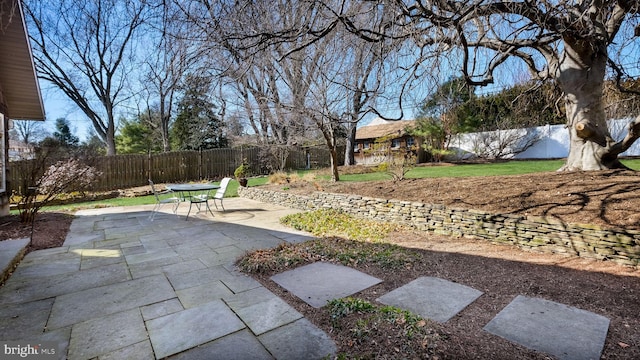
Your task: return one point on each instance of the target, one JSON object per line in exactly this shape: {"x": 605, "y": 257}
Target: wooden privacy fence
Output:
{"x": 123, "y": 171}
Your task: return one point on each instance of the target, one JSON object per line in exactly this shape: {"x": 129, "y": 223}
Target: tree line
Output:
{"x": 298, "y": 72}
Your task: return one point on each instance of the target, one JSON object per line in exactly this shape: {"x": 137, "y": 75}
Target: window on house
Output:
{"x": 3, "y": 170}
{"x": 395, "y": 143}
{"x": 410, "y": 142}
{"x": 366, "y": 145}
{"x": 356, "y": 148}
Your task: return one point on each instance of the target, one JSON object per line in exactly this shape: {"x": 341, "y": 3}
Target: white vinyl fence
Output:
{"x": 542, "y": 142}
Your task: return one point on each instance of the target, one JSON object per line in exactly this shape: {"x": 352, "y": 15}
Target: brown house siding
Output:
{"x": 377, "y": 151}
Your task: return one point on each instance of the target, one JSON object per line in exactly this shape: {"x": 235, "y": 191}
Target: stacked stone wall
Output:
{"x": 532, "y": 233}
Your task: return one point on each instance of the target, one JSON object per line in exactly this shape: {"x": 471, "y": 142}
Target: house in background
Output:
{"x": 20, "y": 97}
{"x": 381, "y": 138}
{"x": 20, "y": 151}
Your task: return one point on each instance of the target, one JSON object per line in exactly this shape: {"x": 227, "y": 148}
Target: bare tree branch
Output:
{"x": 85, "y": 49}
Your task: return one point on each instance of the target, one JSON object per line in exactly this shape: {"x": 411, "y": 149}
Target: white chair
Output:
{"x": 219, "y": 195}
{"x": 161, "y": 201}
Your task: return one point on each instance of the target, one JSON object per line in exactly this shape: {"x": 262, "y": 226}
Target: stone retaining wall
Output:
{"x": 532, "y": 233}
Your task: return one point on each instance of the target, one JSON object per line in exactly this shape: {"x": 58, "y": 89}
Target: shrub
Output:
{"x": 398, "y": 166}
{"x": 65, "y": 176}
{"x": 279, "y": 178}
{"x": 241, "y": 171}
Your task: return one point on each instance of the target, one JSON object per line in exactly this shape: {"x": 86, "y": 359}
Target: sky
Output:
{"x": 57, "y": 105}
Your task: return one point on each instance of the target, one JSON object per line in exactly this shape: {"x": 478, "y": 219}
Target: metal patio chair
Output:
{"x": 161, "y": 201}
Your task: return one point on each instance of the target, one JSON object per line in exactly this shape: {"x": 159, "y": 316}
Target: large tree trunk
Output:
{"x": 581, "y": 77}
{"x": 335, "y": 174}
{"x": 349, "y": 157}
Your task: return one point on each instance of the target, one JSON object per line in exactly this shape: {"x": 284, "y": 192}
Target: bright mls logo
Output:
{"x": 28, "y": 350}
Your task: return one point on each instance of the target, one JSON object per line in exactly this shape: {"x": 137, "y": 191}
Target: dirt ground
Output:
{"x": 49, "y": 230}
{"x": 501, "y": 272}
{"x": 610, "y": 198}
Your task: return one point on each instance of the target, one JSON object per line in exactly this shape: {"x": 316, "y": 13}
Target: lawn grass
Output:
{"x": 464, "y": 170}
{"x": 232, "y": 191}
{"x": 119, "y": 201}
{"x": 516, "y": 167}
{"x": 460, "y": 170}
{"x": 491, "y": 169}
{"x": 632, "y": 163}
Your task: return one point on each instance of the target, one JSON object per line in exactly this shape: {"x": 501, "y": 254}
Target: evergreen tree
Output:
{"x": 64, "y": 136}
{"x": 197, "y": 126}
{"x": 140, "y": 135}
{"x": 443, "y": 115}
{"x": 520, "y": 106}
{"x": 93, "y": 146}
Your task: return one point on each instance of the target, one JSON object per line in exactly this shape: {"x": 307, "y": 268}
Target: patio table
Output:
{"x": 194, "y": 193}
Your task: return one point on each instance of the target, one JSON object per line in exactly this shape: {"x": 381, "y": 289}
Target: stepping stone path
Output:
{"x": 432, "y": 298}
{"x": 557, "y": 329}
{"x": 542, "y": 325}
{"x": 318, "y": 283}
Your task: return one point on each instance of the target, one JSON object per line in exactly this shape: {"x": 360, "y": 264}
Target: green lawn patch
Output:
{"x": 232, "y": 191}
{"x": 515, "y": 167}
{"x": 490, "y": 169}
{"x": 632, "y": 163}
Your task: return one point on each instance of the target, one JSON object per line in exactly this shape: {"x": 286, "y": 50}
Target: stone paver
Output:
{"x": 318, "y": 283}
{"x": 298, "y": 340}
{"x": 87, "y": 304}
{"x": 18, "y": 290}
{"x": 9, "y": 252}
{"x": 32, "y": 319}
{"x": 563, "y": 331}
{"x": 261, "y": 310}
{"x": 125, "y": 287}
{"x": 57, "y": 264}
{"x": 186, "y": 329}
{"x": 432, "y": 298}
{"x": 141, "y": 350}
{"x": 161, "y": 309}
{"x": 241, "y": 345}
{"x": 106, "y": 334}
{"x": 201, "y": 294}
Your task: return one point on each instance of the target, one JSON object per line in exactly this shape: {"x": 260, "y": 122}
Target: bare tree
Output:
{"x": 86, "y": 49}
{"x": 571, "y": 42}
{"x": 362, "y": 76}
{"x": 500, "y": 144}
{"x": 281, "y": 85}
{"x": 8, "y": 10}
{"x": 252, "y": 79}
{"x": 568, "y": 41}
{"x": 29, "y": 132}
{"x": 170, "y": 57}
{"x": 345, "y": 77}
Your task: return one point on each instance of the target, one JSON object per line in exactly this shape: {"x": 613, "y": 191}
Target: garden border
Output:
{"x": 539, "y": 234}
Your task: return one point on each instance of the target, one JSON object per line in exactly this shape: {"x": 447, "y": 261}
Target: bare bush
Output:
{"x": 63, "y": 177}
